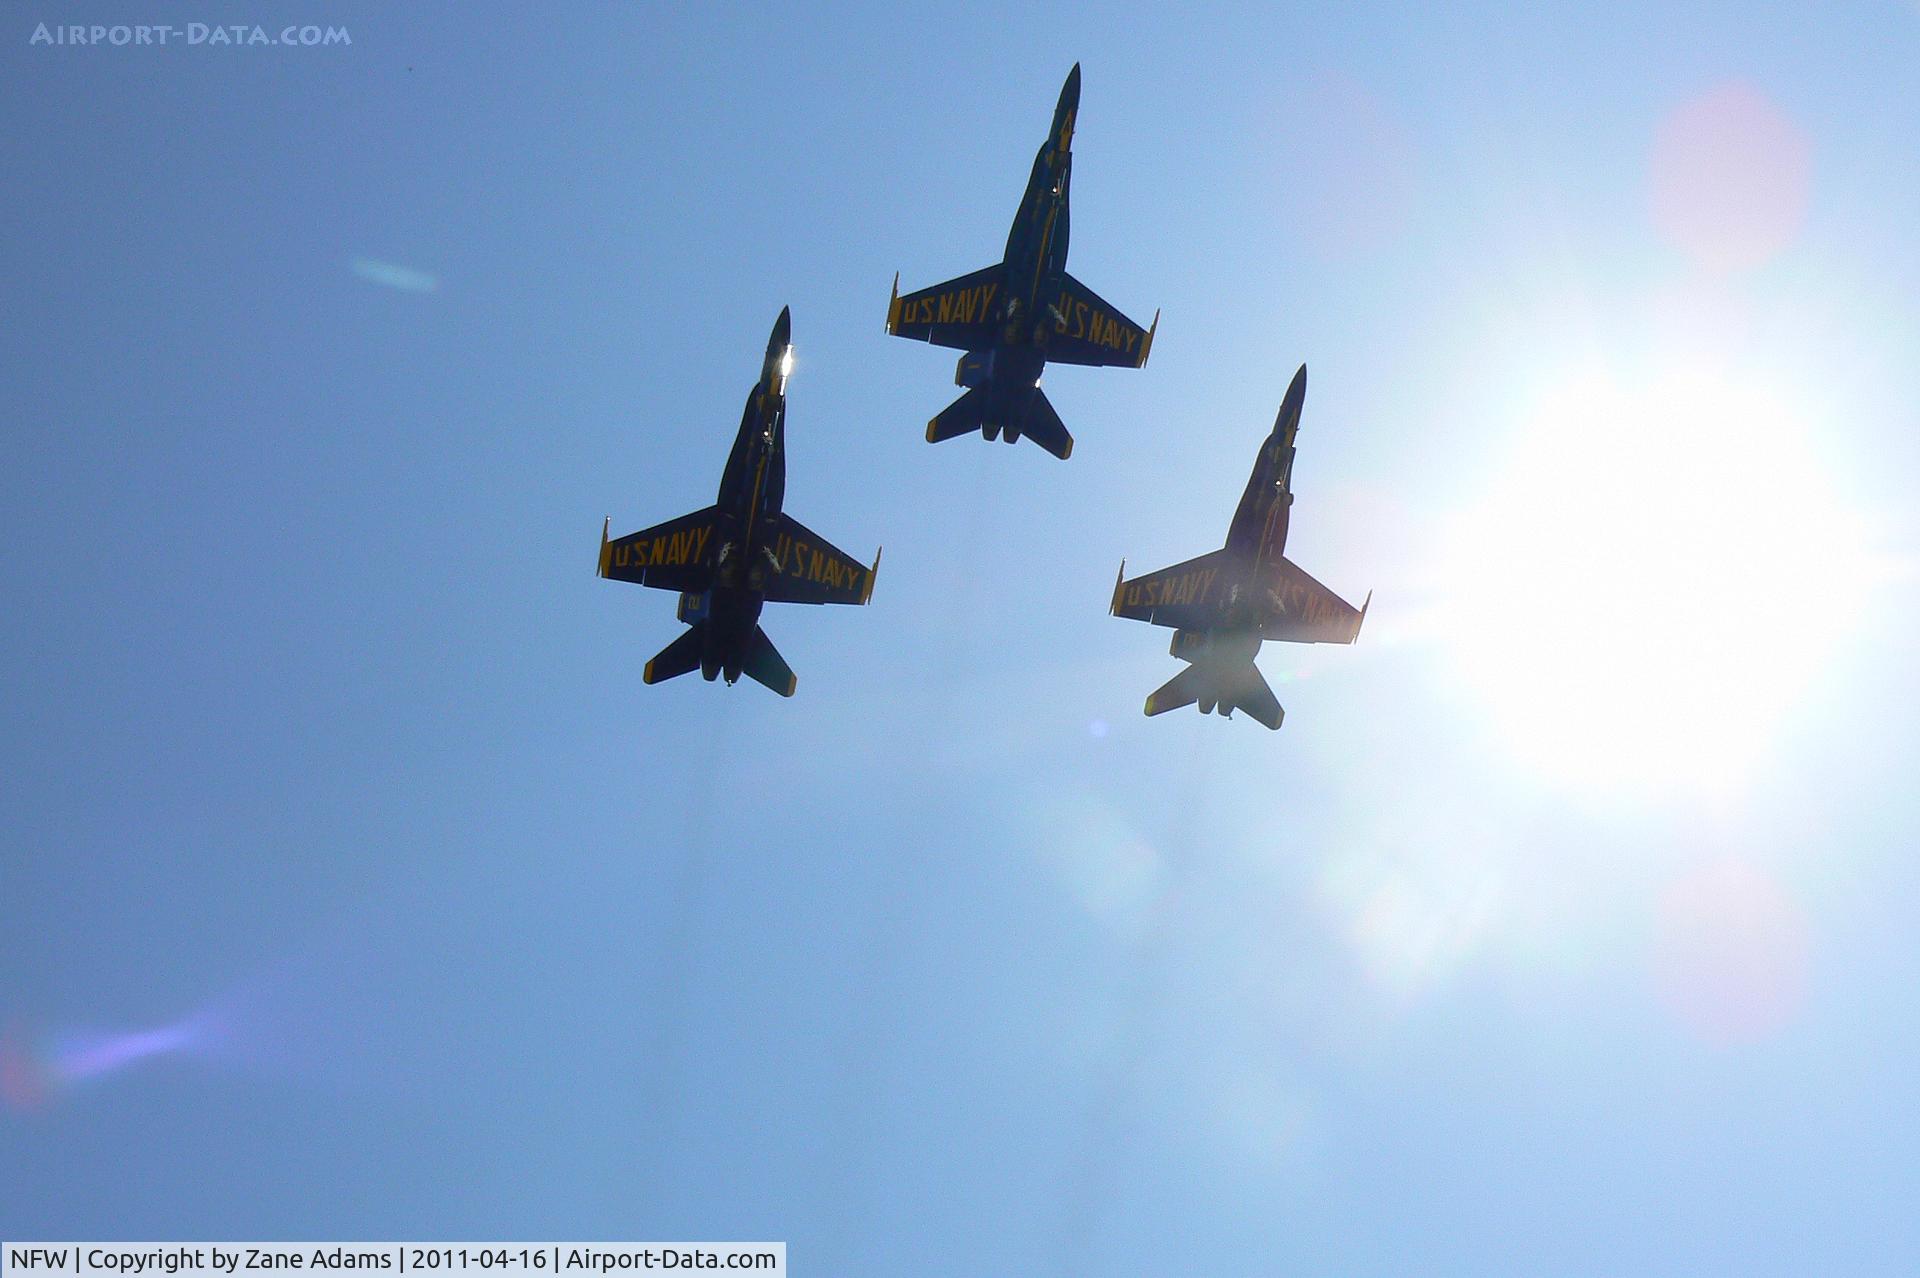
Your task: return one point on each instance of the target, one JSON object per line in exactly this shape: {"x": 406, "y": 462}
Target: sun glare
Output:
{"x": 1651, "y": 579}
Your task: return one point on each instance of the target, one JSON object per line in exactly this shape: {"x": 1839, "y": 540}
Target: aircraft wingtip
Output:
{"x": 605, "y": 526}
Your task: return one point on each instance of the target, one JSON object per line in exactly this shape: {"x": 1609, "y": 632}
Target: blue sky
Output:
{"x": 1566, "y": 926}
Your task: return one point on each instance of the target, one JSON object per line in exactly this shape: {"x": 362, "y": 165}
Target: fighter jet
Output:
{"x": 1224, "y": 605}
{"x": 1012, "y": 317}
{"x": 728, "y": 559}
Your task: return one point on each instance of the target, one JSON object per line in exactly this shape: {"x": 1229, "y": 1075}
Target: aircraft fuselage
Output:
{"x": 752, "y": 488}
{"x": 1256, "y": 537}
{"x": 1036, "y": 253}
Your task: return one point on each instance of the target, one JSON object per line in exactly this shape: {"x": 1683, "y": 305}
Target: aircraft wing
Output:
{"x": 1089, "y": 330}
{"x": 676, "y": 555}
{"x": 814, "y": 571}
{"x": 950, "y": 314}
{"x": 1181, "y": 596}
{"x": 1306, "y": 611}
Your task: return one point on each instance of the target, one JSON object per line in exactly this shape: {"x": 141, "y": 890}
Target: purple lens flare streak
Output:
{"x": 36, "y": 1069}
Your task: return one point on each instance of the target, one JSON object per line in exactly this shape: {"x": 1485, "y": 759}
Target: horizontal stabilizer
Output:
{"x": 1220, "y": 692}
{"x": 961, "y": 417}
{"x": 1044, "y": 427}
{"x": 764, "y": 664}
{"x": 678, "y": 657}
{"x": 1037, "y": 421}
{"x": 1181, "y": 690}
{"x": 1251, "y": 693}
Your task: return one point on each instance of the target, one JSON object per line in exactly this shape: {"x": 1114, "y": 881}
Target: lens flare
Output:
{"x": 1110, "y": 869}
{"x": 1731, "y": 954}
{"x": 390, "y": 275}
{"x": 23, "y": 1080}
{"x": 1413, "y": 909}
{"x": 1730, "y": 177}
{"x": 82, "y": 1056}
{"x": 38, "y": 1069}
{"x": 1652, "y": 579}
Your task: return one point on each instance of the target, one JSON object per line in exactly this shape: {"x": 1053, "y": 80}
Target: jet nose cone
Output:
{"x": 782, "y": 329}
{"x": 1289, "y": 415}
{"x": 1069, "y": 106}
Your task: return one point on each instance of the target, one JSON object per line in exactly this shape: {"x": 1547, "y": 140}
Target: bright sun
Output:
{"x": 1651, "y": 578}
